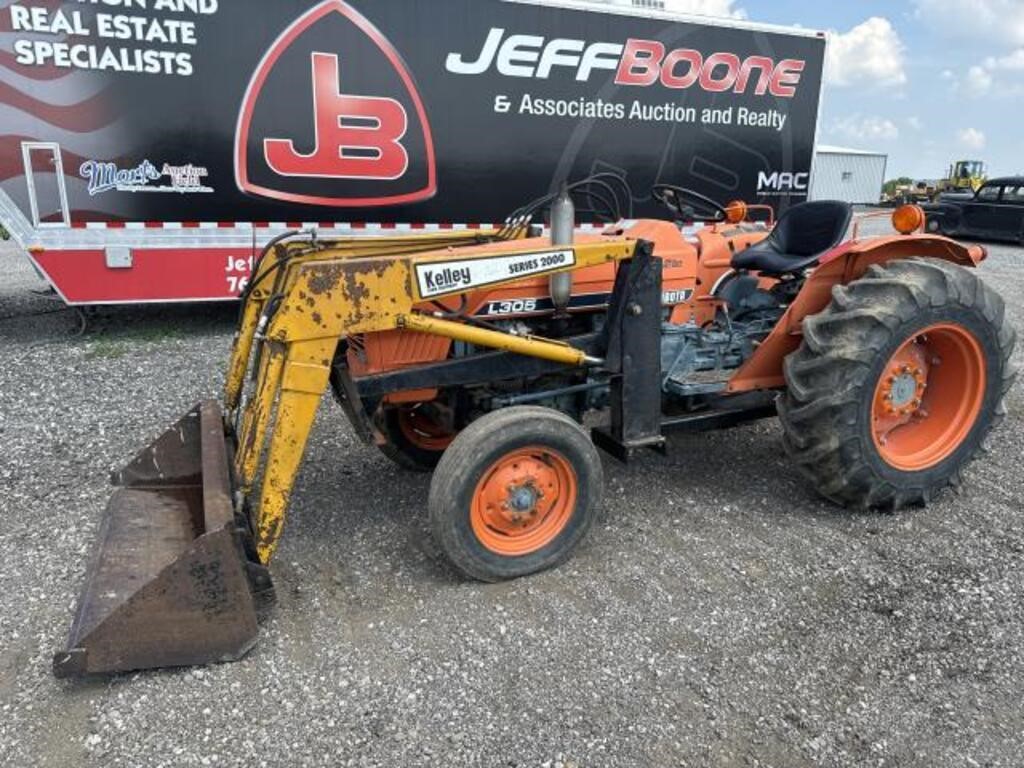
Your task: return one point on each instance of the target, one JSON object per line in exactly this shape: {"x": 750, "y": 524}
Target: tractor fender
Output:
{"x": 844, "y": 264}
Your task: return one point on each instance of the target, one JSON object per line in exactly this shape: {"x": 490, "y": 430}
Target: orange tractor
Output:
{"x": 477, "y": 354}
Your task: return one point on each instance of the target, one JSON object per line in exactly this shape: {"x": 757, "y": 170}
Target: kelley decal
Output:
{"x": 445, "y": 277}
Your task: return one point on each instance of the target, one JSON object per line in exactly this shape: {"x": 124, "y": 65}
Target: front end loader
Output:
{"x": 886, "y": 359}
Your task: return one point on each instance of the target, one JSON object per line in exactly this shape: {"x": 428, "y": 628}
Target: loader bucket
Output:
{"x": 172, "y": 581}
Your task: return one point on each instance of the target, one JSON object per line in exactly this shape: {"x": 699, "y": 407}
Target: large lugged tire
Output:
{"x": 897, "y": 383}
{"x": 515, "y": 493}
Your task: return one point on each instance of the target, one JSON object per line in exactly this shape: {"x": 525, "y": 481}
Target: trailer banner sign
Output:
{"x": 390, "y": 111}
{"x": 147, "y": 143}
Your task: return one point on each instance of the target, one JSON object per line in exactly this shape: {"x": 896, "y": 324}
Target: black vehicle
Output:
{"x": 995, "y": 212}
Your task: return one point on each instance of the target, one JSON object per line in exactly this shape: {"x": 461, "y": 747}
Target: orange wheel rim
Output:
{"x": 928, "y": 397}
{"x": 422, "y": 431}
{"x": 523, "y": 501}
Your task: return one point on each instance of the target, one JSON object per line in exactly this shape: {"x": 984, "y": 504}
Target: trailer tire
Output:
{"x": 897, "y": 383}
{"x": 515, "y": 493}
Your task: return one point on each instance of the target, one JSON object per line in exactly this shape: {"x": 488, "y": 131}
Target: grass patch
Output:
{"x": 151, "y": 334}
{"x": 106, "y": 349}
{"x": 111, "y": 346}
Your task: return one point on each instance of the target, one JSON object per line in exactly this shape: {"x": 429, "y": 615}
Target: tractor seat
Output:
{"x": 801, "y": 236}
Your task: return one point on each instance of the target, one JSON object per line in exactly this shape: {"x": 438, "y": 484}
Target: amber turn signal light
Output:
{"x": 736, "y": 211}
{"x": 908, "y": 219}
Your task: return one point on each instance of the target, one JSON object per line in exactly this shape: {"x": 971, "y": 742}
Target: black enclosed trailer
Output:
{"x": 151, "y": 147}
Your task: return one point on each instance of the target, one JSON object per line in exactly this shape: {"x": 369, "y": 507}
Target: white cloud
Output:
{"x": 869, "y": 54}
{"x": 978, "y": 81}
{"x": 1013, "y": 62}
{"x": 994, "y": 73}
{"x": 706, "y": 8}
{"x": 861, "y": 128}
{"x": 971, "y": 138}
{"x": 990, "y": 21}
{"x": 915, "y": 123}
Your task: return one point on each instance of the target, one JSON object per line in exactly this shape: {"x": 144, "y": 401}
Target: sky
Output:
{"x": 925, "y": 81}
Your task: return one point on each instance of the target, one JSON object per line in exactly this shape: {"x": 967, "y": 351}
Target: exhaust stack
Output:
{"x": 563, "y": 224}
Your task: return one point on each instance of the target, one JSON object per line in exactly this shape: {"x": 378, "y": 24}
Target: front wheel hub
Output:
{"x": 523, "y": 501}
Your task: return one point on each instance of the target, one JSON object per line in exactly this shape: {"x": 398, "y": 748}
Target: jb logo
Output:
{"x": 367, "y": 140}
{"x": 357, "y": 137}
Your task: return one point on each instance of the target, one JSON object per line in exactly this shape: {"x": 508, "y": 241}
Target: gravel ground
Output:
{"x": 719, "y": 615}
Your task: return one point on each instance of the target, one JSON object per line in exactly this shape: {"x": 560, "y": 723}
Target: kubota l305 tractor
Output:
{"x": 472, "y": 354}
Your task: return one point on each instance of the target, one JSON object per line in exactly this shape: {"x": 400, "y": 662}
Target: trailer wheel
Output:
{"x": 415, "y": 440}
{"x": 515, "y": 493}
{"x": 897, "y": 383}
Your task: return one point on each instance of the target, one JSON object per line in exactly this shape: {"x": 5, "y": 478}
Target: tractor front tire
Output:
{"x": 515, "y": 493}
{"x": 897, "y": 383}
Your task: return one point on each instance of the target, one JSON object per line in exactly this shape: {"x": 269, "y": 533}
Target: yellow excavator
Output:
{"x": 477, "y": 353}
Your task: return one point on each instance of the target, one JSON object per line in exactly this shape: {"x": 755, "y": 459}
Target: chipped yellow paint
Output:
{"x": 302, "y": 385}
{"x": 298, "y": 252}
{"x": 258, "y": 414}
{"x": 327, "y": 293}
{"x": 241, "y": 351}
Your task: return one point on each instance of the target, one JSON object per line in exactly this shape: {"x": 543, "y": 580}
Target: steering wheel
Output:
{"x": 689, "y": 205}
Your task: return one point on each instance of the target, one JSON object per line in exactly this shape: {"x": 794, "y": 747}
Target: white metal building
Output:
{"x": 853, "y": 175}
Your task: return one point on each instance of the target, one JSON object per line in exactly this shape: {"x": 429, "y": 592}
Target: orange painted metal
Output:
{"x": 691, "y": 265}
{"x": 846, "y": 263}
{"x": 422, "y": 431}
{"x": 928, "y": 397}
{"x": 523, "y": 501}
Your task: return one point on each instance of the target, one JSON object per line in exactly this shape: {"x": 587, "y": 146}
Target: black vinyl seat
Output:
{"x": 802, "y": 235}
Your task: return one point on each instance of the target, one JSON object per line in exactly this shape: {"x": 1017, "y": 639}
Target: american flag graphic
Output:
{"x": 66, "y": 106}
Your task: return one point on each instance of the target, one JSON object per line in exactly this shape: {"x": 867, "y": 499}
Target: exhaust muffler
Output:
{"x": 563, "y": 225}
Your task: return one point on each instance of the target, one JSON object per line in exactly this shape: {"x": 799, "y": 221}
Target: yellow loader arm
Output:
{"x": 179, "y": 574}
{"x": 290, "y": 333}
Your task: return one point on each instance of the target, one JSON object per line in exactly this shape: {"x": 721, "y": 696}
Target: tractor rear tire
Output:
{"x": 515, "y": 493}
{"x": 897, "y": 383}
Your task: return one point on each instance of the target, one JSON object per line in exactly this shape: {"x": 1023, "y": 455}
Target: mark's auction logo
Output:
{"x": 109, "y": 177}
{"x": 354, "y": 134}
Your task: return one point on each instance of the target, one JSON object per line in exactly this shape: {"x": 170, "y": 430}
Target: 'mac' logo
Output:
{"x": 355, "y": 134}
{"x": 783, "y": 182}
